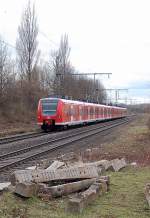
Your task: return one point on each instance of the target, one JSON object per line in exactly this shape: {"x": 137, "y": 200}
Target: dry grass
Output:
{"x": 126, "y": 196}
{"x": 124, "y": 200}
{"x": 133, "y": 142}
{"x": 16, "y": 124}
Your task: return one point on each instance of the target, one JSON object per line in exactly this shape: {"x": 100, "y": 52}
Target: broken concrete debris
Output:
{"x": 55, "y": 165}
{"x": 78, "y": 203}
{"x": 31, "y": 168}
{"x": 68, "y": 188}
{"x": 118, "y": 164}
{"x": 147, "y": 193}
{"x": 4, "y": 185}
{"x": 32, "y": 189}
{"x": 134, "y": 164}
{"x": 78, "y": 172}
{"x": 72, "y": 174}
{"x": 27, "y": 189}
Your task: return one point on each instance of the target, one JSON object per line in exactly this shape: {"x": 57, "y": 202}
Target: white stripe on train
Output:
{"x": 83, "y": 121}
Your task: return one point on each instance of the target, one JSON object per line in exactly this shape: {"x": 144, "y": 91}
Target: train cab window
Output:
{"x": 49, "y": 106}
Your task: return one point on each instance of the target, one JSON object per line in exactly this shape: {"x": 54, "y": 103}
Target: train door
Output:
{"x": 76, "y": 116}
{"x": 109, "y": 112}
{"x": 96, "y": 112}
{"x": 72, "y": 113}
{"x": 80, "y": 112}
{"x": 101, "y": 112}
{"x": 88, "y": 113}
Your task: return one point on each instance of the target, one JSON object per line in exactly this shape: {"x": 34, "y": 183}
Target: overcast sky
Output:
{"x": 104, "y": 36}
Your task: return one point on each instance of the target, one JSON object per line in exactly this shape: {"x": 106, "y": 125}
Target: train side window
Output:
{"x": 81, "y": 111}
{"x": 85, "y": 111}
{"x": 105, "y": 112}
{"x": 91, "y": 111}
{"x": 73, "y": 112}
{"x": 101, "y": 111}
{"x": 96, "y": 111}
{"x": 66, "y": 110}
{"x": 69, "y": 111}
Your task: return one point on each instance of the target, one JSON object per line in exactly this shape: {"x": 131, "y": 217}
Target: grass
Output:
{"x": 124, "y": 200}
{"x": 132, "y": 143}
{"x": 126, "y": 196}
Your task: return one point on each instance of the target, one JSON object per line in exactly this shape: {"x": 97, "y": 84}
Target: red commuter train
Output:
{"x": 54, "y": 112}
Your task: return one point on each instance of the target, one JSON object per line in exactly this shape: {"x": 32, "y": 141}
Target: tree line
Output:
{"x": 27, "y": 78}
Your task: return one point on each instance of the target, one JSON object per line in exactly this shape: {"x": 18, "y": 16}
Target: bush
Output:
{"x": 148, "y": 123}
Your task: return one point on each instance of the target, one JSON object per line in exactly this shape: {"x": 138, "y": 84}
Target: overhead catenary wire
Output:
{"x": 41, "y": 32}
{"x": 8, "y": 44}
{"x": 51, "y": 41}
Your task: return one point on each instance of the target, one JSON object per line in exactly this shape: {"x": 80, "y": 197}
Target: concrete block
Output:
{"x": 31, "y": 168}
{"x": 103, "y": 186}
{"x": 147, "y": 193}
{"x": 118, "y": 164}
{"x": 105, "y": 163}
{"x": 4, "y": 185}
{"x": 68, "y": 188}
{"x": 35, "y": 176}
{"x": 26, "y": 189}
{"x": 55, "y": 165}
{"x": 77, "y": 204}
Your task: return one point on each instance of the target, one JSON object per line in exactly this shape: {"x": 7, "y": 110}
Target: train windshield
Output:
{"x": 49, "y": 106}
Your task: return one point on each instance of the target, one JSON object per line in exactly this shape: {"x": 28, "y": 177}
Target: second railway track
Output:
{"x": 19, "y": 137}
{"x": 38, "y": 150}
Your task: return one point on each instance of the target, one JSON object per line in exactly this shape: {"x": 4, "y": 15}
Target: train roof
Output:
{"x": 81, "y": 102}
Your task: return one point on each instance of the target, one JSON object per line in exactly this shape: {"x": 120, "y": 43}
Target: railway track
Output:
{"x": 6, "y": 140}
{"x": 30, "y": 153}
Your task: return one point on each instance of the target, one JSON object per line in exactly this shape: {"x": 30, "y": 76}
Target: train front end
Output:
{"x": 47, "y": 113}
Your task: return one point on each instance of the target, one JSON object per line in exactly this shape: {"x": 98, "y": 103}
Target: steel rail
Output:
{"x": 23, "y": 150}
{"x": 6, "y": 140}
{"x": 19, "y": 137}
{"x": 75, "y": 138}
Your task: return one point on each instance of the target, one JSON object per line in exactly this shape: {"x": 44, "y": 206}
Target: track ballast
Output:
{"x": 11, "y": 160}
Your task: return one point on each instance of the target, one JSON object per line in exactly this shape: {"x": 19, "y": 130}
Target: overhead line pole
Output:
{"x": 116, "y": 92}
{"x": 87, "y": 74}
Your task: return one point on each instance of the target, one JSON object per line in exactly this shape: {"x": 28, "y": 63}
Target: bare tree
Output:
{"x": 26, "y": 43}
{"x": 3, "y": 67}
{"x": 67, "y": 84}
{"x": 61, "y": 66}
{"x": 64, "y": 53}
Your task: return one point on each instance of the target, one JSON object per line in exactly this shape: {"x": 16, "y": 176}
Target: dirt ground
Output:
{"x": 133, "y": 142}
{"x": 11, "y": 128}
{"x": 125, "y": 198}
